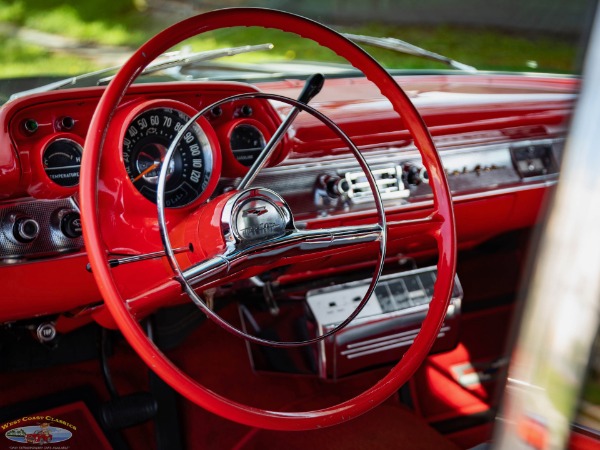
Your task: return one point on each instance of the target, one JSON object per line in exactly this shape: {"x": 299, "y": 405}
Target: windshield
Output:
{"x": 45, "y": 40}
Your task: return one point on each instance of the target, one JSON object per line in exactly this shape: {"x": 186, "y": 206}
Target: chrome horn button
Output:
{"x": 256, "y": 215}
{"x": 258, "y": 219}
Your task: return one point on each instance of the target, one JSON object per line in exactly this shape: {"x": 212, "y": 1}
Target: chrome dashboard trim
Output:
{"x": 410, "y": 152}
{"x": 407, "y": 153}
{"x": 390, "y": 342}
{"x": 50, "y": 241}
{"x": 474, "y": 172}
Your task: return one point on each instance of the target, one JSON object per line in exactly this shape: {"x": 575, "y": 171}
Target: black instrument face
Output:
{"x": 145, "y": 145}
{"x": 246, "y": 142}
{"x": 62, "y": 160}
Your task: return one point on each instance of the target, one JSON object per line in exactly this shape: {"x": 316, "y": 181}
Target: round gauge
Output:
{"x": 61, "y": 160}
{"x": 246, "y": 142}
{"x": 145, "y": 144}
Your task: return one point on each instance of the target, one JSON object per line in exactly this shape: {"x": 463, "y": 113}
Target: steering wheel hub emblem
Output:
{"x": 254, "y": 215}
{"x": 258, "y": 218}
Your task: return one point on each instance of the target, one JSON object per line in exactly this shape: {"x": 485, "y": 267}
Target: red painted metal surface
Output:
{"x": 64, "y": 285}
{"x": 581, "y": 441}
{"x": 476, "y": 220}
{"x": 96, "y": 248}
{"x": 486, "y": 121}
{"x": 51, "y": 286}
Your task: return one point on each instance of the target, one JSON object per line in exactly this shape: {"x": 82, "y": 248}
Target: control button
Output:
{"x": 412, "y": 175}
{"x": 400, "y": 294}
{"x": 25, "y": 229}
{"x": 46, "y": 332}
{"x": 70, "y": 224}
{"x": 424, "y": 175}
{"x": 384, "y": 296}
{"x": 246, "y": 110}
{"x": 66, "y": 123}
{"x": 30, "y": 125}
{"x": 337, "y": 186}
{"x": 428, "y": 282}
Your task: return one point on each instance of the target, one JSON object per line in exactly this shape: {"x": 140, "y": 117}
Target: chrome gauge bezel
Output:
{"x": 153, "y": 128}
{"x": 236, "y": 151}
{"x": 77, "y": 152}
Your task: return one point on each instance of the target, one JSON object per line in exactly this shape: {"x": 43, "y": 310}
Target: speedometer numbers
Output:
{"x": 192, "y": 170}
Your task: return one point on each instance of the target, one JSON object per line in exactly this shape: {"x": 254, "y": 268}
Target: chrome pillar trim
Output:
{"x": 561, "y": 317}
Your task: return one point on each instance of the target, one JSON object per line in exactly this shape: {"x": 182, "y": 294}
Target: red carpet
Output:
{"x": 220, "y": 361}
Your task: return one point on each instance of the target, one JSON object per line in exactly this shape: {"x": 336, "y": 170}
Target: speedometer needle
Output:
{"x": 147, "y": 171}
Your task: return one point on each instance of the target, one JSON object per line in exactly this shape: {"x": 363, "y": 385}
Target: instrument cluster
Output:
{"x": 47, "y": 136}
{"x": 49, "y": 141}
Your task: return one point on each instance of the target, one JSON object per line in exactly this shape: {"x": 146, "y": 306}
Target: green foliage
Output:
{"x": 288, "y": 46}
{"x": 19, "y": 59}
{"x": 112, "y": 22}
{"x": 483, "y": 48}
{"x": 127, "y": 23}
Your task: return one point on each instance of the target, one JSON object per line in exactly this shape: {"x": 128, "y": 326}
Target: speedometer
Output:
{"x": 145, "y": 144}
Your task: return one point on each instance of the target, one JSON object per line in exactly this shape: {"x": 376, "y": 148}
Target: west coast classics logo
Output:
{"x": 40, "y": 430}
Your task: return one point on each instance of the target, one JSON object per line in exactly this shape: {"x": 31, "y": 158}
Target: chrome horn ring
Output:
{"x": 233, "y": 248}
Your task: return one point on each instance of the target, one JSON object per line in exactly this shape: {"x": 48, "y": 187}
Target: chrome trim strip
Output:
{"x": 456, "y": 198}
{"x": 389, "y": 344}
{"x": 370, "y": 343}
{"x": 408, "y": 153}
{"x": 585, "y": 430}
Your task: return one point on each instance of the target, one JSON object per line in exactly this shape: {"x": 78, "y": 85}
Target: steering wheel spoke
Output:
{"x": 295, "y": 244}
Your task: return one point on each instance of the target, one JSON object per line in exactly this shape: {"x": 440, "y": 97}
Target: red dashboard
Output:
{"x": 481, "y": 124}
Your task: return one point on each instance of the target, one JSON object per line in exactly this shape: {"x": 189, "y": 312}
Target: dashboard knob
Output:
{"x": 25, "y": 229}
{"x": 246, "y": 110}
{"x": 46, "y": 332}
{"x": 412, "y": 175}
{"x": 424, "y": 175}
{"x": 336, "y": 186}
{"x": 70, "y": 224}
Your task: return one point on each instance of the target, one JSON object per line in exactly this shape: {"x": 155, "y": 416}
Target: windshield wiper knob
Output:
{"x": 312, "y": 87}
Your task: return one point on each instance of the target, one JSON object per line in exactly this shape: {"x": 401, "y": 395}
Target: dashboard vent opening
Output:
{"x": 534, "y": 160}
{"x": 388, "y": 179}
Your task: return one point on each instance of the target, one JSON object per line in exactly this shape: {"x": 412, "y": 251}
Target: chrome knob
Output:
{"x": 336, "y": 186}
{"x": 25, "y": 229}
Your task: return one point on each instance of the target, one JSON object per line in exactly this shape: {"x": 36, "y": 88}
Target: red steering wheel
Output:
{"x": 440, "y": 224}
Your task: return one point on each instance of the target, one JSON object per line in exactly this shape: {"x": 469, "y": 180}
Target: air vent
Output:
{"x": 388, "y": 179}
{"x": 533, "y": 160}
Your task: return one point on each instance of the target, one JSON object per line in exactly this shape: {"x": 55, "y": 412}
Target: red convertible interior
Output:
{"x": 278, "y": 264}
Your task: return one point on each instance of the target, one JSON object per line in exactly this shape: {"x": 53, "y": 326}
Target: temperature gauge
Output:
{"x": 62, "y": 160}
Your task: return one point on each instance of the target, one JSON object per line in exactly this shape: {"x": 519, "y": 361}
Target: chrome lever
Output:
{"x": 112, "y": 263}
